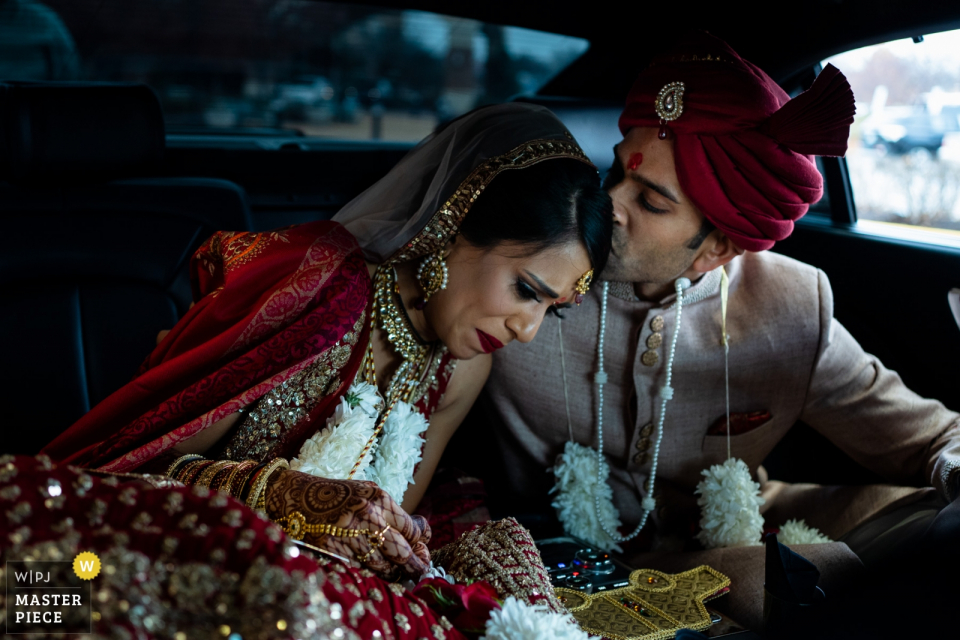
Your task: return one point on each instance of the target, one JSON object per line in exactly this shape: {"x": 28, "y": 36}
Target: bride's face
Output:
{"x": 495, "y": 296}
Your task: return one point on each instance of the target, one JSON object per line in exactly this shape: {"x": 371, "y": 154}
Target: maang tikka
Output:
{"x": 432, "y": 275}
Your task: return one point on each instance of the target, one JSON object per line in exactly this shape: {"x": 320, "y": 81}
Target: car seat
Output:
{"x": 97, "y": 250}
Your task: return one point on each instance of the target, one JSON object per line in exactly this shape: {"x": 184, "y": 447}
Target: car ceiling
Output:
{"x": 781, "y": 36}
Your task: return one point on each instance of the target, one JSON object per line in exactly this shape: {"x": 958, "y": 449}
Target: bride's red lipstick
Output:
{"x": 488, "y": 343}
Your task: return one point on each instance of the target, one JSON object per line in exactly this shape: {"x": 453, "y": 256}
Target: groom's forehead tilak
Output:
{"x": 635, "y": 172}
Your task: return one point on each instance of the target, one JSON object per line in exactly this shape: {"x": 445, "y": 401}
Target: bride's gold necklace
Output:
{"x": 403, "y": 337}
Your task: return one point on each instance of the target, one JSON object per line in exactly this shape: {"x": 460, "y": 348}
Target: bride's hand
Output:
{"x": 353, "y": 505}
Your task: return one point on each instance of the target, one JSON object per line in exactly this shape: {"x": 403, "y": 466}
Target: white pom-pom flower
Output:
{"x": 399, "y": 450}
{"x": 366, "y": 398}
{"x": 799, "y": 532}
{"x": 577, "y": 489}
{"x": 332, "y": 452}
{"x": 729, "y": 506}
{"x": 436, "y": 571}
{"x": 516, "y": 620}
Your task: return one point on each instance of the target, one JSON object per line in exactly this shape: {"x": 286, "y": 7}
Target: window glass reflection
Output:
{"x": 283, "y": 67}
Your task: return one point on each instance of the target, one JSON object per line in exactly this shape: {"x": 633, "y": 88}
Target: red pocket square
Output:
{"x": 740, "y": 423}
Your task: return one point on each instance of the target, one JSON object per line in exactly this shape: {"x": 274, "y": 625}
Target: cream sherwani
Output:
{"x": 788, "y": 356}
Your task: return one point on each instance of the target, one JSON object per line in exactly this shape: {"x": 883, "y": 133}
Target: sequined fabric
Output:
{"x": 181, "y": 562}
{"x": 503, "y": 554}
{"x": 280, "y": 410}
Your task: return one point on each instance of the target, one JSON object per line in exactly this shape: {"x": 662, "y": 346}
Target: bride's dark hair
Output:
{"x": 551, "y": 203}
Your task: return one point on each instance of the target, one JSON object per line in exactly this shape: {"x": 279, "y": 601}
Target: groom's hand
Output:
{"x": 354, "y": 505}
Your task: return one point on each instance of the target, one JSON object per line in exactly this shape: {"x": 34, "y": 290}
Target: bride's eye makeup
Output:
{"x": 525, "y": 291}
{"x": 555, "y": 309}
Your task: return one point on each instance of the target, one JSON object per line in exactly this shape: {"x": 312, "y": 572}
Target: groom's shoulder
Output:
{"x": 777, "y": 276}
{"x": 784, "y": 294}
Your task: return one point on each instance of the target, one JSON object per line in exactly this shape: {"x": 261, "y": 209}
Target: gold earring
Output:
{"x": 582, "y": 286}
{"x": 432, "y": 275}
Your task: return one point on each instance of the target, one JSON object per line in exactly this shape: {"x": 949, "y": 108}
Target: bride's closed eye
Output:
{"x": 525, "y": 291}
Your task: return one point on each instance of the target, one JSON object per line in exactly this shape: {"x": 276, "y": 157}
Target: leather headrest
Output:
{"x": 78, "y": 131}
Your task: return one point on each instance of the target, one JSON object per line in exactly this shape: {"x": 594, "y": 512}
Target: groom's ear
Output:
{"x": 717, "y": 250}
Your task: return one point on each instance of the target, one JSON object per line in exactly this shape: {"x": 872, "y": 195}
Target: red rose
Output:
{"x": 440, "y": 595}
{"x": 478, "y": 599}
{"x": 467, "y": 607}
{"x": 480, "y": 596}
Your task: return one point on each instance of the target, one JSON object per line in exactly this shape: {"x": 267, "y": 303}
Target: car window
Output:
{"x": 283, "y": 67}
{"x": 904, "y": 156}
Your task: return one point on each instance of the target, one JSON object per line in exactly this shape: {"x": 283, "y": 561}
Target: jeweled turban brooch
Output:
{"x": 669, "y": 102}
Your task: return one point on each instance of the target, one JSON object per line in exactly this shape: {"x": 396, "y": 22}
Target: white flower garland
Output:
{"x": 577, "y": 489}
{"x": 729, "y": 506}
{"x": 729, "y": 498}
{"x": 516, "y": 620}
{"x": 399, "y": 450}
{"x": 332, "y": 452}
{"x": 799, "y": 532}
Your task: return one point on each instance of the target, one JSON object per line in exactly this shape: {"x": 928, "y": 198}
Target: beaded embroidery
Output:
{"x": 283, "y": 407}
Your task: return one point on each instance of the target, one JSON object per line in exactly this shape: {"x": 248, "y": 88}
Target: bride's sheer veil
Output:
{"x": 418, "y": 206}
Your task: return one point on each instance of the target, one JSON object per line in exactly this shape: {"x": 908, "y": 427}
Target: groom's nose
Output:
{"x": 619, "y": 208}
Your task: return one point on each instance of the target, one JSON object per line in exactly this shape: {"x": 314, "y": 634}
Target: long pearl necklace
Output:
{"x": 666, "y": 394}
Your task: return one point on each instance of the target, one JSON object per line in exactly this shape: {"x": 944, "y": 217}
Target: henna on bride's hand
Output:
{"x": 357, "y": 505}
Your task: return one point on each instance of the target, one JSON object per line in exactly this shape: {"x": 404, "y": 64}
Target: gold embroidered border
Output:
{"x": 446, "y": 222}
{"x": 590, "y": 610}
{"x": 283, "y": 407}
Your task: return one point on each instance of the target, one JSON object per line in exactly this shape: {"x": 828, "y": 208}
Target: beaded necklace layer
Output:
{"x": 402, "y": 336}
{"x": 666, "y": 395}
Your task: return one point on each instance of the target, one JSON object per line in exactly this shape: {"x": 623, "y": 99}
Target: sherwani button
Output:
{"x": 654, "y": 340}
{"x": 650, "y": 358}
{"x": 643, "y": 445}
{"x": 646, "y": 430}
{"x": 642, "y": 458}
{"x": 657, "y": 324}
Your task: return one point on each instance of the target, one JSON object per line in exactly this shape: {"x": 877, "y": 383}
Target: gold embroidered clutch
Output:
{"x": 654, "y": 607}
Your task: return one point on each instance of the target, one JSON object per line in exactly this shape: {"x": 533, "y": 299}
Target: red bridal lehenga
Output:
{"x": 279, "y": 332}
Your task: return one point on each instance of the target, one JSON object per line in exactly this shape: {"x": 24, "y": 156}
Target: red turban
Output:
{"x": 742, "y": 144}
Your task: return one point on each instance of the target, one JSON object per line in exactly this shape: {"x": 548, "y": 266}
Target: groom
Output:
{"x": 714, "y": 167}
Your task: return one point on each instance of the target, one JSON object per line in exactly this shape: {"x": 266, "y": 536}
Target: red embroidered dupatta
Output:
{"x": 295, "y": 296}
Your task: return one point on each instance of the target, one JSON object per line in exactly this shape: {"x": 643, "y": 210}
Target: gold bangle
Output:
{"x": 260, "y": 484}
{"x": 261, "y": 505}
{"x": 210, "y": 472}
{"x": 192, "y": 470}
{"x": 172, "y": 469}
{"x": 237, "y": 472}
{"x": 244, "y": 483}
{"x": 220, "y": 477}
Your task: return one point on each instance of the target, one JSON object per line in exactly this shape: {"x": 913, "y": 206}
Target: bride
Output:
{"x": 324, "y": 367}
